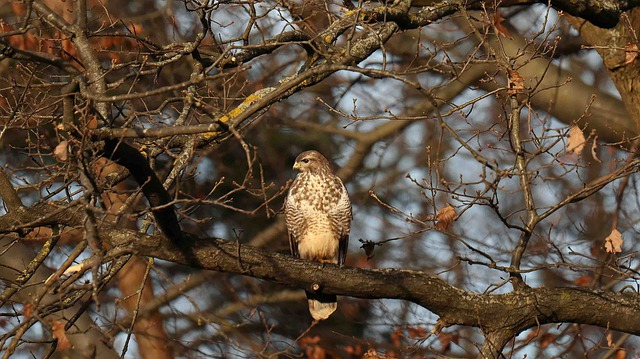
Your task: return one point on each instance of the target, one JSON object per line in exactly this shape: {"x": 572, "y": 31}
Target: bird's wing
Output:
{"x": 294, "y": 223}
{"x": 344, "y": 223}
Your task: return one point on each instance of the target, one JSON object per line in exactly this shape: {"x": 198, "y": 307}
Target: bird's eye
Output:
{"x": 306, "y": 160}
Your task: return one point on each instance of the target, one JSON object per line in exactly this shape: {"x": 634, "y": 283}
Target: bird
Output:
{"x": 318, "y": 220}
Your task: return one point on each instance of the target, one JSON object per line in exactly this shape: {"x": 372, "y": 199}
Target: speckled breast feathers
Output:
{"x": 317, "y": 211}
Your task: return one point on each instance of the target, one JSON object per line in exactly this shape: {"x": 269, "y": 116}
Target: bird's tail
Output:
{"x": 321, "y": 306}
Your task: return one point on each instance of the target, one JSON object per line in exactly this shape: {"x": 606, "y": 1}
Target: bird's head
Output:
{"x": 311, "y": 161}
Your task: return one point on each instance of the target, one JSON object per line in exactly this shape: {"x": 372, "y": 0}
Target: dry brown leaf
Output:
{"x": 610, "y": 340}
{"x": 354, "y": 350}
{"x": 305, "y": 341}
{"x": 137, "y": 28}
{"x": 316, "y": 352}
{"x": 368, "y": 247}
{"x": 546, "y": 339}
{"x": 68, "y": 47}
{"x": 613, "y": 242}
{"x": 445, "y": 340}
{"x": 515, "y": 83}
{"x": 576, "y": 140}
{"x": 500, "y": 29}
{"x": 583, "y": 280}
{"x": 621, "y": 354}
{"x": 61, "y": 152}
{"x": 445, "y": 217}
{"x": 4, "y": 27}
{"x": 311, "y": 347}
{"x": 593, "y": 149}
{"x": 630, "y": 53}
{"x": 396, "y": 337}
{"x": 351, "y": 309}
{"x": 60, "y": 335}
{"x": 27, "y": 311}
{"x": 417, "y": 332}
{"x": 18, "y": 8}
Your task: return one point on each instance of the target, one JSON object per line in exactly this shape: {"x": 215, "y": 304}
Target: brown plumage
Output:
{"x": 318, "y": 217}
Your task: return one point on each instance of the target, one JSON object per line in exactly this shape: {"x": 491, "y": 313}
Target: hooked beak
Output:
{"x": 296, "y": 166}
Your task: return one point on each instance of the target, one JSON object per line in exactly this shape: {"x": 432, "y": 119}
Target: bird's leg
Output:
{"x": 324, "y": 261}
{"x": 316, "y": 286}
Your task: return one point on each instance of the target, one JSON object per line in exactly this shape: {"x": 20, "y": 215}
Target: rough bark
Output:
{"x": 618, "y": 49}
{"x": 515, "y": 311}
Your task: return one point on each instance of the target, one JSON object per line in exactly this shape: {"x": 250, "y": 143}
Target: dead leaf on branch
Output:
{"x": 60, "y": 334}
{"x": 593, "y": 148}
{"x": 417, "y": 332}
{"x": 610, "y": 340}
{"x": 27, "y": 311}
{"x": 445, "y": 340}
{"x": 355, "y": 351}
{"x": 547, "y": 339}
{"x": 396, "y": 338}
{"x": 368, "y": 247}
{"x": 499, "y": 27}
{"x": 445, "y": 217}
{"x": 515, "y": 82}
{"x": 18, "y": 8}
{"x": 613, "y": 243}
{"x": 630, "y": 53}
{"x": 311, "y": 347}
{"x": 583, "y": 280}
{"x": 306, "y": 340}
{"x": 576, "y": 140}
{"x": 61, "y": 152}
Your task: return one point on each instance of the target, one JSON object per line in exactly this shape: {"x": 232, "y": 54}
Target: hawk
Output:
{"x": 318, "y": 217}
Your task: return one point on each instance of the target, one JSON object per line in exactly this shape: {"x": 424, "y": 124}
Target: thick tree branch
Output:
{"x": 515, "y": 311}
{"x": 85, "y": 49}
{"x": 605, "y": 14}
{"x": 494, "y": 342}
{"x": 8, "y": 193}
{"x": 158, "y": 197}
